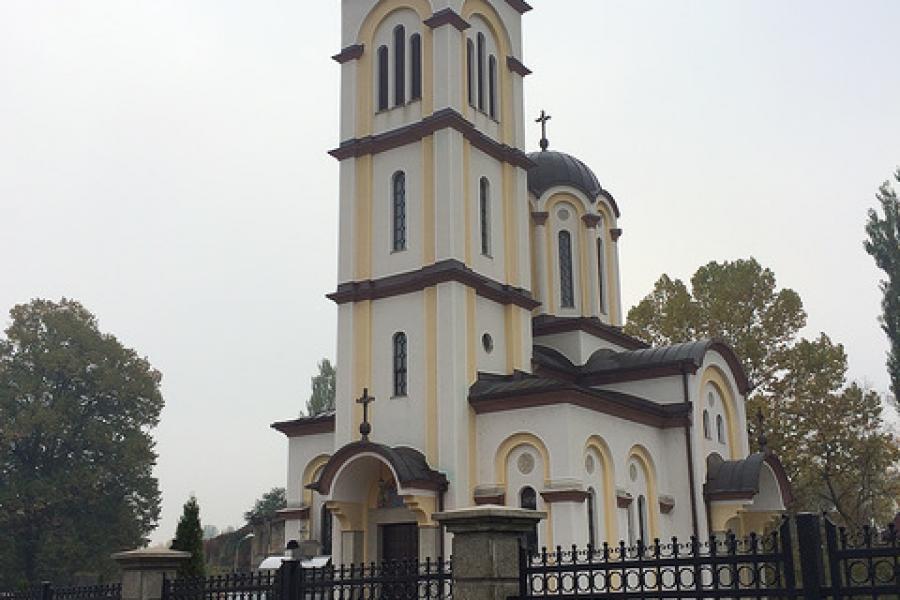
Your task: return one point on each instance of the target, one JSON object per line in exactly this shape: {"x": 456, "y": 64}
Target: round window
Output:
{"x": 525, "y": 463}
{"x": 488, "y": 342}
{"x": 563, "y": 214}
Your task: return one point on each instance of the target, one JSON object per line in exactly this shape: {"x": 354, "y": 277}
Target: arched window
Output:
{"x": 642, "y": 519}
{"x": 600, "y": 272}
{"x": 528, "y": 500}
{"x": 470, "y": 71}
{"x": 492, "y": 86}
{"x": 383, "y": 78}
{"x": 485, "y": 210}
{"x": 398, "y": 194}
{"x": 566, "y": 285}
{"x": 399, "y": 364}
{"x": 415, "y": 59}
{"x": 706, "y": 432}
{"x": 592, "y": 519}
{"x": 325, "y": 530}
{"x": 399, "y": 65}
{"x": 720, "y": 429}
{"x": 480, "y": 71}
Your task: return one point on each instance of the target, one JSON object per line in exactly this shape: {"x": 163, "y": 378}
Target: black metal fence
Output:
{"x": 390, "y": 580}
{"x": 770, "y": 566}
{"x": 261, "y": 585}
{"x": 47, "y": 591}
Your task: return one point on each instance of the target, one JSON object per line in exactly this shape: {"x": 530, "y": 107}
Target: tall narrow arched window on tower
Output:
{"x": 399, "y": 65}
{"x": 720, "y": 429}
{"x": 480, "y": 71}
{"x": 600, "y": 269}
{"x": 398, "y": 218}
{"x": 383, "y": 85}
{"x": 566, "y": 284}
{"x": 492, "y": 87}
{"x": 415, "y": 61}
{"x": 485, "y": 210}
{"x": 399, "y": 344}
{"x": 470, "y": 71}
{"x": 706, "y": 428}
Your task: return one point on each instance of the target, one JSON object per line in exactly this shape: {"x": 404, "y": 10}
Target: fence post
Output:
{"x": 289, "y": 574}
{"x": 145, "y": 570}
{"x": 46, "y": 591}
{"x": 809, "y": 539}
{"x": 486, "y": 542}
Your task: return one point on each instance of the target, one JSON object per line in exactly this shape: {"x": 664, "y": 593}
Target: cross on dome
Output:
{"x": 365, "y": 428}
{"x": 545, "y": 143}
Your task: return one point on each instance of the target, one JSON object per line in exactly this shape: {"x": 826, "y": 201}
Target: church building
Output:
{"x": 480, "y": 355}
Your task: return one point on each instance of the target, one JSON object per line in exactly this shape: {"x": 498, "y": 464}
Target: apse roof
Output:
{"x": 732, "y": 479}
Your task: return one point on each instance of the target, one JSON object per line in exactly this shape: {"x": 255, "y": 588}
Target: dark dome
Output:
{"x": 558, "y": 168}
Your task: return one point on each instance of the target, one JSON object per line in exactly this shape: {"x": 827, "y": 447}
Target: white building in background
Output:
{"x": 478, "y": 303}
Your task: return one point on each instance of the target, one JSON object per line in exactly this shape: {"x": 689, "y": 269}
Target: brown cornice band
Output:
{"x": 615, "y": 234}
{"x": 349, "y": 53}
{"x": 499, "y": 499}
{"x": 592, "y": 220}
{"x": 516, "y": 66}
{"x": 564, "y": 495}
{"x": 520, "y": 6}
{"x": 439, "y": 272}
{"x": 305, "y": 426}
{"x": 447, "y": 16}
{"x": 539, "y": 218}
{"x": 442, "y": 119}
{"x": 655, "y": 415}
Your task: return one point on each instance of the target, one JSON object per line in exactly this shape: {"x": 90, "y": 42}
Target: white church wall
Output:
{"x": 301, "y": 451}
{"x": 665, "y": 390}
{"x": 525, "y": 468}
{"x": 386, "y": 260}
{"x": 449, "y": 195}
{"x": 565, "y": 430}
{"x": 577, "y": 346}
{"x": 346, "y": 252}
{"x": 490, "y": 320}
{"x": 391, "y": 315}
{"x": 482, "y": 120}
{"x": 345, "y": 390}
{"x": 494, "y": 264}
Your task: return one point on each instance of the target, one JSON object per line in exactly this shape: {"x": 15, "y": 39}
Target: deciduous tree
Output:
{"x": 830, "y": 436}
{"x": 883, "y": 244}
{"x": 266, "y": 506}
{"x": 76, "y": 455}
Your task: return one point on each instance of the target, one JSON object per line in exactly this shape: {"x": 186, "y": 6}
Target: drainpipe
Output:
{"x": 441, "y": 509}
{"x": 690, "y": 453}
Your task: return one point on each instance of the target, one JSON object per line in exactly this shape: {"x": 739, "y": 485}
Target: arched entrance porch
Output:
{"x": 382, "y": 499}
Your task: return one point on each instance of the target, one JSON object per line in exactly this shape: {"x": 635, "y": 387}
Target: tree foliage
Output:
{"x": 883, "y": 244}
{"x": 76, "y": 456}
{"x": 189, "y": 538}
{"x": 266, "y": 506}
{"x": 829, "y": 436}
{"x": 323, "y": 389}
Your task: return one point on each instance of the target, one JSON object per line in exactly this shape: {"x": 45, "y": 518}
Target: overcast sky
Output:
{"x": 164, "y": 162}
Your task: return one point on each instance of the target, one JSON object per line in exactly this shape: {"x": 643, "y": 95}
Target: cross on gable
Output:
{"x": 545, "y": 143}
{"x": 365, "y": 428}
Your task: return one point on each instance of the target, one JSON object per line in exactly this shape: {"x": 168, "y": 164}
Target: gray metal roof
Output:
{"x": 558, "y": 168}
{"x": 739, "y": 479}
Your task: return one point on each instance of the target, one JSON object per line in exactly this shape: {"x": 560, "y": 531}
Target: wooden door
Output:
{"x": 399, "y": 541}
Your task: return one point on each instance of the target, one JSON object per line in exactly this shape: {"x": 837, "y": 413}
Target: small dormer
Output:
{"x": 574, "y": 233}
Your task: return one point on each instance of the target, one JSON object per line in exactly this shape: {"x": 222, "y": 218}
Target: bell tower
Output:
{"x": 434, "y": 273}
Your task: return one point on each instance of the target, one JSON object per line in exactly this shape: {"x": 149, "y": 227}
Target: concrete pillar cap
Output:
{"x": 150, "y": 559}
{"x": 489, "y": 517}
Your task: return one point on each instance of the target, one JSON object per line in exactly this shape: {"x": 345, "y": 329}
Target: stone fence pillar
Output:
{"x": 486, "y": 542}
{"x": 143, "y": 571}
